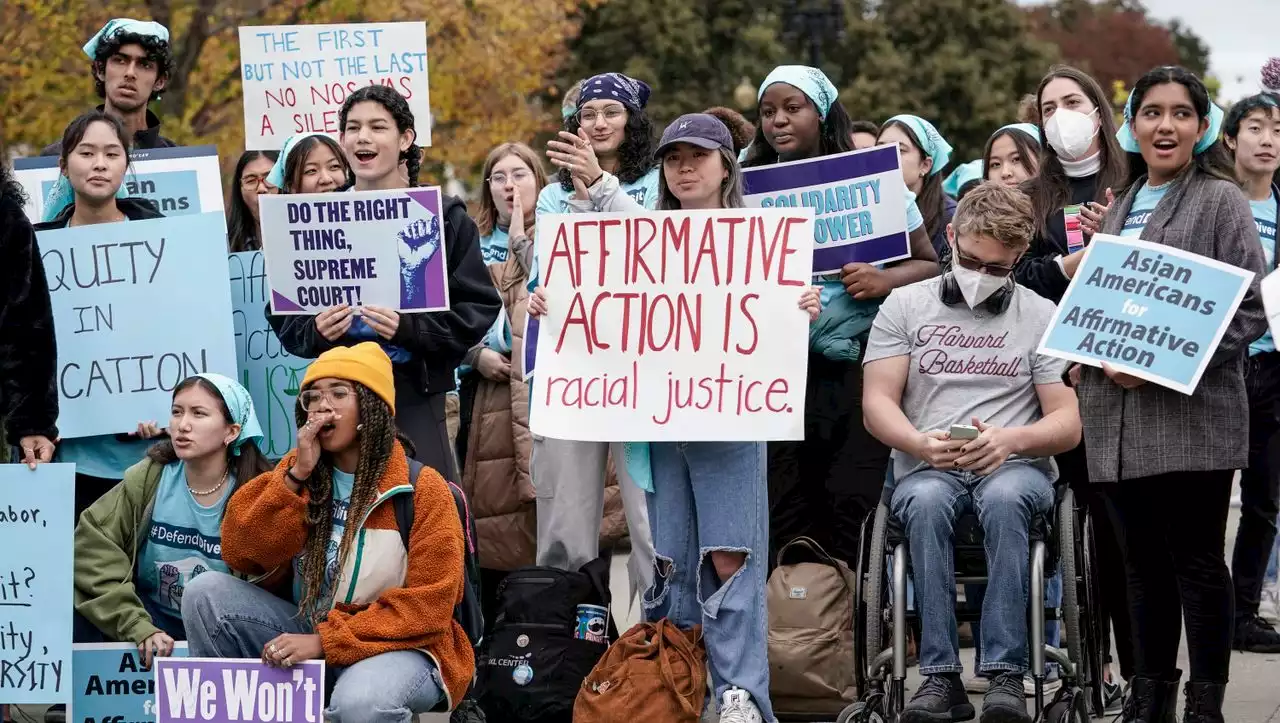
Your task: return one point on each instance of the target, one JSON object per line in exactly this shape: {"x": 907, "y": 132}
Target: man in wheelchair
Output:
{"x": 954, "y": 385}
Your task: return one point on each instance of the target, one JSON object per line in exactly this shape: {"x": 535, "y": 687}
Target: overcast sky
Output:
{"x": 1241, "y": 35}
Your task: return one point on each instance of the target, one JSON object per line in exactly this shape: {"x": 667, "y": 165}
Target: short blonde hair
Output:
{"x": 996, "y": 211}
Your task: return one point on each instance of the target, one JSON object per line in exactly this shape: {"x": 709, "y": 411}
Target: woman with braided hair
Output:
{"x": 381, "y": 615}
{"x": 378, "y": 139}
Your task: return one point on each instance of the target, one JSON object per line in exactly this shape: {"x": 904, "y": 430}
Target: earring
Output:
{"x": 360, "y": 427}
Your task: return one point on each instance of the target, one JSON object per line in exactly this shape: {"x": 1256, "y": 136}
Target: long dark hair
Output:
{"x": 635, "y": 154}
{"x": 835, "y": 136}
{"x": 10, "y": 189}
{"x": 378, "y": 435}
{"x": 1213, "y": 161}
{"x": 1028, "y": 150}
{"x": 77, "y": 128}
{"x": 1050, "y": 190}
{"x": 932, "y": 201}
{"x": 248, "y": 464}
{"x": 297, "y": 161}
{"x": 242, "y": 230}
{"x": 398, "y": 107}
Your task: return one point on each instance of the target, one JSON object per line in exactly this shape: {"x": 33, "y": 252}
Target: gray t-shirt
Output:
{"x": 965, "y": 362}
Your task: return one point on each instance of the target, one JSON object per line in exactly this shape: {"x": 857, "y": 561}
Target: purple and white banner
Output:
{"x": 211, "y": 690}
{"x": 858, "y": 198}
{"x": 384, "y": 248}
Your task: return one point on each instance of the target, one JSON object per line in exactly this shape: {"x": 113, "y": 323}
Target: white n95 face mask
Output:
{"x": 976, "y": 286}
{"x": 1071, "y": 132}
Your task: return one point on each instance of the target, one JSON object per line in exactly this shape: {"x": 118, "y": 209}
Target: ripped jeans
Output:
{"x": 713, "y": 496}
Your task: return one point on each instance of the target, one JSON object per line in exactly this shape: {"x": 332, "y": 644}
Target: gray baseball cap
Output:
{"x": 699, "y": 129}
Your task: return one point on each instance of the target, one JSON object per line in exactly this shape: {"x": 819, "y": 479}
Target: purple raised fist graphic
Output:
{"x": 417, "y": 244}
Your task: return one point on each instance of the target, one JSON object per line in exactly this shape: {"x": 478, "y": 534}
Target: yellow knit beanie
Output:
{"x": 365, "y": 363}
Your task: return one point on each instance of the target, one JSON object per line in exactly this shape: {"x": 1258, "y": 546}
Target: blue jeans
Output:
{"x": 227, "y": 617}
{"x": 927, "y": 503}
{"x": 709, "y": 497}
{"x": 974, "y": 594}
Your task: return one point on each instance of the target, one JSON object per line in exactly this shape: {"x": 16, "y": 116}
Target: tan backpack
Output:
{"x": 655, "y": 672}
{"x": 811, "y": 602}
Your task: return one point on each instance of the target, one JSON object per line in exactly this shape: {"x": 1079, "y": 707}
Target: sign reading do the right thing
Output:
{"x": 673, "y": 326}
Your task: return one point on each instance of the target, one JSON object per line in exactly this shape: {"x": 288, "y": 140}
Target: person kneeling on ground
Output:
{"x": 960, "y": 349}
{"x": 379, "y": 614}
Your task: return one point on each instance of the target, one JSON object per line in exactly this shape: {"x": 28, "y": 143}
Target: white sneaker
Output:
{"x": 976, "y": 684}
{"x": 1270, "y": 607}
{"x": 1051, "y": 686}
{"x": 738, "y": 708}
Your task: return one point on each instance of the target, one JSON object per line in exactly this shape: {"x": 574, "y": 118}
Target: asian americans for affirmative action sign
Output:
{"x": 384, "y": 248}
{"x": 859, "y": 200}
{"x": 296, "y": 77}
{"x": 1148, "y": 310}
{"x": 674, "y": 326}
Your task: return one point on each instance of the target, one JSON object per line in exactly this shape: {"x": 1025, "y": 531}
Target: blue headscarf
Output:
{"x": 632, "y": 93}
{"x": 1031, "y": 130}
{"x": 931, "y": 141}
{"x": 146, "y": 28}
{"x": 812, "y": 82}
{"x": 1129, "y": 142}
{"x": 240, "y": 404}
{"x": 276, "y": 176}
{"x": 965, "y": 172}
{"x": 62, "y": 195}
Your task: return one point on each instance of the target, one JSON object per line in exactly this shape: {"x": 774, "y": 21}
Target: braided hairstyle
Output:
{"x": 398, "y": 107}
{"x": 377, "y": 439}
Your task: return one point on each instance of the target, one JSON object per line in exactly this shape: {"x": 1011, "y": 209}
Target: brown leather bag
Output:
{"x": 655, "y": 672}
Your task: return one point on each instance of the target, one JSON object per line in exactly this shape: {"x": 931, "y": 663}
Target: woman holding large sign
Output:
{"x": 1174, "y": 454}
{"x": 708, "y": 501}
{"x": 823, "y": 487}
{"x": 377, "y": 138}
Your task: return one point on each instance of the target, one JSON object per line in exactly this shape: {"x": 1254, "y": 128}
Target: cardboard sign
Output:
{"x": 296, "y": 77}
{"x": 367, "y": 247}
{"x": 674, "y": 326}
{"x": 181, "y": 181}
{"x": 1149, "y": 310}
{"x": 36, "y": 527}
{"x": 136, "y": 310}
{"x": 859, "y": 200}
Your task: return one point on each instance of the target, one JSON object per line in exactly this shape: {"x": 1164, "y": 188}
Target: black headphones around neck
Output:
{"x": 998, "y": 303}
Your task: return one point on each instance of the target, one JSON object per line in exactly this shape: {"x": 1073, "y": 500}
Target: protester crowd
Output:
{"x": 352, "y": 547}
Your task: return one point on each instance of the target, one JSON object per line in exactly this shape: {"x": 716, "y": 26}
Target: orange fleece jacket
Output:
{"x": 265, "y": 528}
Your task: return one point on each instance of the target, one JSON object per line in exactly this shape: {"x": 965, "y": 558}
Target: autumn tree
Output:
{"x": 487, "y": 59}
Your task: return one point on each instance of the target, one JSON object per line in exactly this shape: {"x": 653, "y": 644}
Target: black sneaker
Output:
{"x": 1005, "y": 701}
{"x": 1255, "y": 635}
{"x": 939, "y": 699}
{"x": 56, "y": 714}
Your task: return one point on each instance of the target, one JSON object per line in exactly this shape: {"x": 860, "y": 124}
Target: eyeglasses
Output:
{"x": 589, "y": 116}
{"x": 973, "y": 264}
{"x": 251, "y": 182}
{"x": 311, "y": 398}
{"x": 500, "y": 179}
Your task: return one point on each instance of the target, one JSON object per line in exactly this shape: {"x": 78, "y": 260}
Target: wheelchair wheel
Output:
{"x": 873, "y": 591}
{"x": 1067, "y": 707}
{"x": 1070, "y": 592}
{"x": 1097, "y": 627}
{"x": 860, "y": 712}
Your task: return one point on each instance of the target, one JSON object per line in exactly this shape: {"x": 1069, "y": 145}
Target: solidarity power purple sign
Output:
{"x": 383, "y": 248}
{"x": 210, "y": 690}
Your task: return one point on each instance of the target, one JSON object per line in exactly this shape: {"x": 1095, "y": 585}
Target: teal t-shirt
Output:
{"x": 830, "y": 284}
{"x": 104, "y": 455}
{"x": 185, "y": 540}
{"x": 343, "y": 483}
{"x": 1144, "y": 204}
{"x": 1264, "y": 214}
{"x": 494, "y": 246}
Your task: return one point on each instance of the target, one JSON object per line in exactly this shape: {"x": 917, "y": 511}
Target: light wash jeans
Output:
{"x": 927, "y": 503}
{"x": 227, "y": 617}
{"x": 974, "y": 594}
{"x": 713, "y": 496}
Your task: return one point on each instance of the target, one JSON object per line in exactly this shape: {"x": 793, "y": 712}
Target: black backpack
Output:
{"x": 468, "y": 612}
{"x": 532, "y": 666}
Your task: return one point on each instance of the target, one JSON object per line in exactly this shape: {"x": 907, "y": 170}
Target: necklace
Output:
{"x": 202, "y": 493}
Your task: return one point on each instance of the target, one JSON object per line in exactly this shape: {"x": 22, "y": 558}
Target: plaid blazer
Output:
{"x": 1152, "y": 430}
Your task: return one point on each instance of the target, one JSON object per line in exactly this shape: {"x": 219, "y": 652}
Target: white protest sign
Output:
{"x": 674, "y": 326}
{"x": 296, "y": 77}
{"x": 383, "y": 248}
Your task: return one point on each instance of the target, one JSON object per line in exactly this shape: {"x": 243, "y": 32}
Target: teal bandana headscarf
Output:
{"x": 62, "y": 195}
{"x": 812, "y": 82}
{"x": 1029, "y": 129}
{"x": 240, "y": 404}
{"x": 931, "y": 141}
{"x": 276, "y": 176}
{"x": 146, "y": 28}
{"x": 1129, "y": 142}
{"x": 965, "y": 172}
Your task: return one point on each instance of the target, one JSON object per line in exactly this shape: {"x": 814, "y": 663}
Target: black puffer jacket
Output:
{"x": 28, "y": 350}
